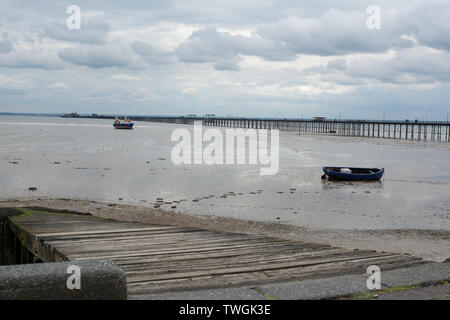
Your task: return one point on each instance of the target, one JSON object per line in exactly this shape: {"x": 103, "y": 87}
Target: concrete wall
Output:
{"x": 48, "y": 281}
{"x": 8, "y": 252}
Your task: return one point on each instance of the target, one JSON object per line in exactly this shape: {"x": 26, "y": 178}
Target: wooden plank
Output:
{"x": 263, "y": 277}
{"x": 137, "y": 276}
{"x": 176, "y": 236}
{"x": 77, "y": 256}
{"x": 262, "y": 251}
{"x": 153, "y": 244}
{"x": 108, "y": 231}
{"x": 254, "y": 260}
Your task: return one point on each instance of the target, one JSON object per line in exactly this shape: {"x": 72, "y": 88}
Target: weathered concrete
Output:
{"x": 345, "y": 285}
{"x": 323, "y": 288}
{"x": 438, "y": 292}
{"x": 48, "y": 281}
{"x": 213, "y": 294}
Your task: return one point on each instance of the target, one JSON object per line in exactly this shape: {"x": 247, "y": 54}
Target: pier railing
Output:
{"x": 406, "y": 130}
{"x": 438, "y": 131}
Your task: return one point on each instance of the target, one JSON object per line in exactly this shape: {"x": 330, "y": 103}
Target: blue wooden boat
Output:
{"x": 355, "y": 174}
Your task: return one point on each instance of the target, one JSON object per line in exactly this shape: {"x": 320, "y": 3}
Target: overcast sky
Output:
{"x": 231, "y": 57}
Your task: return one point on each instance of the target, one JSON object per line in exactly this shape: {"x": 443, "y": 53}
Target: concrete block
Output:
{"x": 99, "y": 280}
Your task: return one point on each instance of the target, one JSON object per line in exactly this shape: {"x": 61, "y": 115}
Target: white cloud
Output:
{"x": 59, "y": 85}
{"x": 243, "y": 57}
{"x": 33, "y": 58}
{"x": 94, "y": 30}
{"x": 96, "y": 56}
{"x": 152, "y": 55}
{"x": 125, "y": 77}
{"x": 14, "y": 85}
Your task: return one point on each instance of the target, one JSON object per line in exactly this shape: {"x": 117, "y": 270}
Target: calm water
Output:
{"x": 88, "y": 159}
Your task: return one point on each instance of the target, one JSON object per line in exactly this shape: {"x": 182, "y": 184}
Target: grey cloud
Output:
{"x": 93, "y": 31}
{"x": 281, "y": 30}
{"x": 152, "y": 55}
{"x": 95, "y": 56}
{"x": 5, "y": 46}
{"x": 418, "y": 65}
{"x": 339, "y": 64}
{"x": 34, "y": 58}
{"x": 207, "y": 45}
{"x": 12, "y": 92}
{"x": 428, "y": 23}
{"x": 223, "y": 48}
{"x": 14, "y": 86}
{"x": 335, "y": 33}
{"x": 227, "y": 64}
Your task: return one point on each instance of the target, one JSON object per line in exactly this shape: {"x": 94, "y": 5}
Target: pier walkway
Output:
{"x": 436, "y": 131}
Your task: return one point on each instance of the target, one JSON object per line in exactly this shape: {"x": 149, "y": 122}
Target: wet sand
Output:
{"x": 428, "y": 244}
{"x": 87, "y": 159}
{"x": 128, "y": 174}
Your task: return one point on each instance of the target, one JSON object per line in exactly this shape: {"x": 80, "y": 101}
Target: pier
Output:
{"x": 162, "y": 259}
{"x": 436, "y": 131}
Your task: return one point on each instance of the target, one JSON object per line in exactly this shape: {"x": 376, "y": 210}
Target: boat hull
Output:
{"x": 123, "y": 125}
{"x": 356, "y": 174}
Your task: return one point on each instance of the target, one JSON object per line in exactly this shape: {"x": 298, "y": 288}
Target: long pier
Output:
{"x": 437, "y": 131}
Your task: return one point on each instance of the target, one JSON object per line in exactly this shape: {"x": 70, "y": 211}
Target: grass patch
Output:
{"x": 396, "y": 289}
{"x": 27, "y": 212}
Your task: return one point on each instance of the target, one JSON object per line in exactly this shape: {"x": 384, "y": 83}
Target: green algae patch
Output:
{"x": 33, "y": 211}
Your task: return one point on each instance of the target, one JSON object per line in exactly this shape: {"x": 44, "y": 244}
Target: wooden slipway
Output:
{"x": 159, "y": 258}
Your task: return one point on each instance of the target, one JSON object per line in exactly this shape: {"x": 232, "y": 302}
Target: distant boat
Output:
{"x": 125, "y": 124}
{"x": 70, "y": 115}
{"x": 355, "y": 174}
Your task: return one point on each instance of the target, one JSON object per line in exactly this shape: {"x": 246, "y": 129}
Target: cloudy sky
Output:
{"x": 228, "y": 57}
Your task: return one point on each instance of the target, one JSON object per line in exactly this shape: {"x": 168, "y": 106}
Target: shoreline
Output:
{"x": 428, "y": 244}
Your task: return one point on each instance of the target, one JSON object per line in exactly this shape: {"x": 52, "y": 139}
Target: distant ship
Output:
{"x": 70, "y": 115}
{"x": 125, "y": 124}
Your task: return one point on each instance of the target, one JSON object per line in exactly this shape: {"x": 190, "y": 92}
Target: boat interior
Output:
{"x": 354, "y": 170}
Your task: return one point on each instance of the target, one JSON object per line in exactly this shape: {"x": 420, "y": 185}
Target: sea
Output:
{"x": 74, "y": 158}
